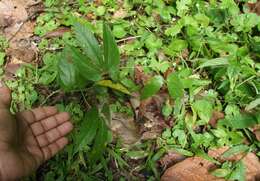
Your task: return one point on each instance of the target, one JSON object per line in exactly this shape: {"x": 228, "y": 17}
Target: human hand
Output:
{"x": 29, "y": 138}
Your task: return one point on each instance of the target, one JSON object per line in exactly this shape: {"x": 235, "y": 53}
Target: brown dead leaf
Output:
{"x": 191, "y": 169}
{"x": 170, "y": 159}
{"x": 151, "y": 134}
{"x": 28, "y": 3}
{"x": 57, "y": 33}
{"x": 15, "y": 13}
{"x": 14, "y": 20}
{"x": 98, "y": 2}
{"x": 148, "y": 115}
{"x": 197, "y": 169}
{"x": 121, "y": 13}
{"x": 13, "y": 9}
{"x": 140, "y": 76}
{"x": 10, "y": 70}
{"x": 18, "y": 30}
{"x": 35, "y": 9}
{"x": 5, "y": 21}
{"x": 257, "y": 134}
{"x": 125, "y": 128}
{"x": 90, "y": 16}
{"x": 168, "y": 72}
{"x": 254, "y": 7}
{"x": 151, "y": 120}
{"x": 17, "y": 57}
{"x": 22, "y": 55}
{"x": 256, "y": 131}
{"x": 251, "y": 162}
{"x": 216, "y": 115}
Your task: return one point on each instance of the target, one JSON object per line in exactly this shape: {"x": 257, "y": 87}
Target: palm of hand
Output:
{"x": 29, "y": 138}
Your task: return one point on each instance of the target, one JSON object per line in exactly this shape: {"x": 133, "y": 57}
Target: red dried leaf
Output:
{"x": 197, "y": 169}
{"x": 170, "y": 159}
{"x": 216, "y": 115}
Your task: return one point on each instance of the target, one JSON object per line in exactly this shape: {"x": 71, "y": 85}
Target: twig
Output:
{"x": 248, "y": 79}
{"x": 85, "y": 100}
{"x": 49, "y": 96}
{"x": 128, "y": 38}
{"x": 20, "y": 27}
{"x": 53, "y": 49}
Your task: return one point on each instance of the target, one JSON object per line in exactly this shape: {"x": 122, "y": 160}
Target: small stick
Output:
{"x": 128, "y": 38}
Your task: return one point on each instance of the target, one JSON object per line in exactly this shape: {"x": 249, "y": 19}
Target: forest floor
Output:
{"x": 183, "y": 104}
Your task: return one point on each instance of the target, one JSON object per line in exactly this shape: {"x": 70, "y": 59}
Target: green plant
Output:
{"x": 77, "y": 69}
{"x": 86, "y": 66}
{"x": 201, "y": 56}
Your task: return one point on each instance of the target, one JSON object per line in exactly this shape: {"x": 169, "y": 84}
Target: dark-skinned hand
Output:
{"x": 29, "y": 138}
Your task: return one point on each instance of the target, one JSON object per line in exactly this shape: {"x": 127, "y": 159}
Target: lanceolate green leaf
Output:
{"x": 178, "y": 150}
{"x": 235, "y": 150}
{"x": 152, "y": 87}
{"x": 239, "y": 172}
{"x": 253, "y": 104}
{"x": 2, "y": 58}
{"x": 86, "y": 68}
{"x": 245, "y": 22}
{"x": 205, "y": 156}
{"x": 87, "y": 130}
{"x": 242, "y": 121}
{"x": 112, "y": 85}
{"x": 89, "y": 43}
{"x": 68, "y": 75}
{"x": 214, "y": 62}
{"x": 204, "y": 109}
{"x": 137, "y": 154}
{"x": 221, "y": 172}
{"x": 175, "y": 86}
{"x": 100, "y": 142}
{"x": 231, "y": 5}
{"x": 111, "y": 52}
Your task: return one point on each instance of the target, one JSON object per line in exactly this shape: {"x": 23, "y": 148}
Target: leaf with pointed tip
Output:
{"x": 253, "y": 104}
{"x": 235, "y": 150}
{"x": 89, "y": 43}
{"x": 69, "y": 77}
{"x": 152, "y": 87}
{"x": 111, "y": 52}
{"x": 87, "y": 130}
{"x": 86, "y": 68}
{"x": 100, "y": 143}
{"x": 214, "y": 62}
{"x": 112, "y": 85}
{"x": 175, "y": 86}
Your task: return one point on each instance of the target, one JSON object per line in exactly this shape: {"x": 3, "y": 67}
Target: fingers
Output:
{"x": 5, "y": 94}
{"x": 37, "y": 114}
{"x": 49, "y": 128}
{"x": 54, "y": 134}
{"x": 44, "y": 125}
{"x": 55, "y": 147}
{"x": 44, "y": 112}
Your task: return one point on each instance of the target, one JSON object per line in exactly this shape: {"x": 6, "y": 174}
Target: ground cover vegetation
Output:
{"x": 148, "y": 84}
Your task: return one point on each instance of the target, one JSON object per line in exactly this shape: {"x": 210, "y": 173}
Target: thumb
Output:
{"x": 5, "y": 94}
